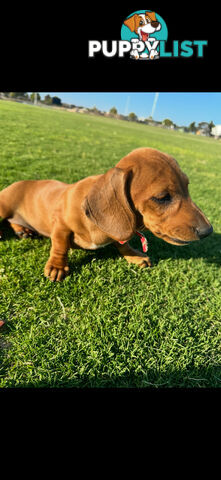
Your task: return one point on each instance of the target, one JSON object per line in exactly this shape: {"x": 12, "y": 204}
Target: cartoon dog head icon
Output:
{"x": 143, "y": 25}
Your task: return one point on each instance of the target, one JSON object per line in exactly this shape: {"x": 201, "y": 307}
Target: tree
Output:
{"x": 132, "y": 117}
{"x": 211, "y": 125}
{"x": 33, "y": 96}
{"x": 56, "y": 101}
{"x": 48, "y": 100}
{"x": 149, "y": 120}
{"x": 167, "y": 122}
{"x": 94, "y": 110}
{"x": 18, "y": 94}
{"x": 192, "y": 127}
{"x": 113, "y": 111}
{"x": 203, "y": 124}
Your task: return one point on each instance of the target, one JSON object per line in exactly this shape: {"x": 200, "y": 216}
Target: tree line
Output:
{"x": 193, "y": 127}
{"x": 48, "y": 100}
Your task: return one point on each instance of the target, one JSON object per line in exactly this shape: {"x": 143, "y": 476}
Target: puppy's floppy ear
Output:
{"x": 151, "y": 16}
{"x": 108, "y": 207}
{"x": 130, "y": 22}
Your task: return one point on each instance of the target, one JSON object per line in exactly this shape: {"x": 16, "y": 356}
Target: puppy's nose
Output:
{"x": 204, "y": 232}
{"x": 154, "y": 24}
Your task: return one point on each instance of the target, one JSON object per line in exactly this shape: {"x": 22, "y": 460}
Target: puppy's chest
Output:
{"x": 95, "y": 240}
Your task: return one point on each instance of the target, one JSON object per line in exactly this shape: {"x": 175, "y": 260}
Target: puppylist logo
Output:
{"x": 143, "y": 37}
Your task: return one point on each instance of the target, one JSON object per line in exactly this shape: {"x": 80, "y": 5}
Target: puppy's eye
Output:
{"x": 162, "y": 200}
{"x": 141, "y": 22}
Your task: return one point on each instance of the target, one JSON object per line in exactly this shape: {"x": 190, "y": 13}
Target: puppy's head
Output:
{"x": 159, "y": 191}
{"x": 143, "y": 24}
{"x": 148, "y": 188}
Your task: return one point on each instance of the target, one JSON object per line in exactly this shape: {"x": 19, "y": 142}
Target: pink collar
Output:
{"x": 143, "y": 241}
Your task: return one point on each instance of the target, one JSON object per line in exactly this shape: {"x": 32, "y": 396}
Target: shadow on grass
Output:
{"x": 6, "y": 230}
{"x": 208, "y": 249}
{"x": 202, "y": 377}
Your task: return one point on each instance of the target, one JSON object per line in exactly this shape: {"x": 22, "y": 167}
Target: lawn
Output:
{"x": 109, "y": 324}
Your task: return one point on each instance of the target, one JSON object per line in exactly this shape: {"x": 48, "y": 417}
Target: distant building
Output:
{"x": 216, "y": 131}
{"x": 82, "y": 110}
{"x": 119, "y": 116}
{"x": 153, "y": 123}
{"x": 201, "y": 132}
{"x": 203, "y": 129}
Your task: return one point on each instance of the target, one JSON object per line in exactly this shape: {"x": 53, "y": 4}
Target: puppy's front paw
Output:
{"x": 145, "y": 263}
{"x": 142, "y": 262}
{"x": 55, "y": 273}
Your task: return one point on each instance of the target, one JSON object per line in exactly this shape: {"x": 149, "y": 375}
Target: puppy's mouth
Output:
{"x": 174, "y": 241}
{"x": 144, "y": 35}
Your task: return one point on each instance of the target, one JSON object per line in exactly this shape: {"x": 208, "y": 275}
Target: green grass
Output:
{"x": 109, "y": 324}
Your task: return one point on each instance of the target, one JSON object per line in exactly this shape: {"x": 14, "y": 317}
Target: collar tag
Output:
{"x": 143, "y": 240}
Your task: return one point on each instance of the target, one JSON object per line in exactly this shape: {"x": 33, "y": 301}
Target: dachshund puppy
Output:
{"x": 146, "y": 189}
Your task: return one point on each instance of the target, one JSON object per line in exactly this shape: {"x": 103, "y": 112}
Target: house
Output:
{"x": 82, "y": 110}
{"x": 216, "y": 131}
{"x": 153, "y": 123}
{"x": 203, "y": 129}
{"x": 203, "y": 132}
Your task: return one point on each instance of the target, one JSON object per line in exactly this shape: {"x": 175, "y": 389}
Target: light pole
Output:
{"x": 154, "y": 104}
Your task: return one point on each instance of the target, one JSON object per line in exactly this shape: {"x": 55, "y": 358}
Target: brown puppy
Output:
{"x": 146, "y": 189}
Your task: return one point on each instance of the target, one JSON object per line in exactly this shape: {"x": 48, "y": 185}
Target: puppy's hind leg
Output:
{"x": 5, "y": 212}
{"x": 21, "y": 231}
{"x": 5, "y": 209}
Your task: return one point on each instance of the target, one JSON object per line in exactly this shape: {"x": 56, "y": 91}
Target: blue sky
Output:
{"x": 182, "y": 108}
